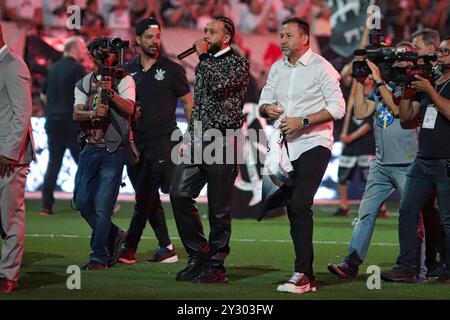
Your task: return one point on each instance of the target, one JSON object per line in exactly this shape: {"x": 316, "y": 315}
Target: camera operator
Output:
{"x": 396, "y": 148}
{"x": 101, "y": 162}
{"x": 430, "y": 171}
{"x": 427, "y": 41}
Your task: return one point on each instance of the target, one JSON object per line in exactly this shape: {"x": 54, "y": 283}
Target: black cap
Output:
{"x": 146, "y": 23}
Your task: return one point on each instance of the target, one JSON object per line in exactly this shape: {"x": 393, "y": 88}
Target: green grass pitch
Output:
{"x": 261, "y": 257}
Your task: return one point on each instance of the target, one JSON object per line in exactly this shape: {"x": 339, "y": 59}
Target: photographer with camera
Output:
{"x": 104, "y": 104}
{"x": 427, "y": 42}
{"x": 430, "y": 171}
{"x": 396, "y": 148}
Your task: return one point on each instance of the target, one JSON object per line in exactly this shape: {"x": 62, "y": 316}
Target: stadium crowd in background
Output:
{"x": 401, "y": 20}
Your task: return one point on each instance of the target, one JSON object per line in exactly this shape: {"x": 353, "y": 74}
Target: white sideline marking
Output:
{"x": 72, "y": 236}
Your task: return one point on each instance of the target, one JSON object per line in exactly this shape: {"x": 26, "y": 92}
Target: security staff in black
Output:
{"x": 61, "y": 130}
{"x": 222, "y": 80}
{"x": 160, "y": 83}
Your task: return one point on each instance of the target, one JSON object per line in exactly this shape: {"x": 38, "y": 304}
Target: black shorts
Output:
{"x": 348, "y": 165}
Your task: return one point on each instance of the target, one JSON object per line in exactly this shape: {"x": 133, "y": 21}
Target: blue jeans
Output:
{"x": 424, "y": 177}
{"x": 97, "y": 184}
{"x": 382, "y": 181}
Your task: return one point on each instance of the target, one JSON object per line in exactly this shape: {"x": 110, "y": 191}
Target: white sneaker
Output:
{"x": 298, "y": 283}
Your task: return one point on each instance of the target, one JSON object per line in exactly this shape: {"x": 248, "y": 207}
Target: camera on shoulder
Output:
{"x": 386, "y": 59}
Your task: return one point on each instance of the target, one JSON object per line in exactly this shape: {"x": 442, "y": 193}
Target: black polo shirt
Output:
{"x": 59, "y": 88}
{"x": 158, "y": 91}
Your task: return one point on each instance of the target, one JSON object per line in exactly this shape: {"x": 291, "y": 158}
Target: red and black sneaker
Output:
{"x": 343, "y": 270}
{"x": 8, "y": 286}
{"x": 92, "y": 266}
{"x": 127, "y": 256}
{"x": 298, "y": 283}
{"x": 212, "y": 275}
{"x": 164, "y": 255}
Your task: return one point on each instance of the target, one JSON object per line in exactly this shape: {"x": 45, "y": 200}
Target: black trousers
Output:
{"x": 57, "y": 145}
{"x": 188, "y": 181}
{"x": 147, "y": 177}
{"x": 309, "y": 170}
{"x": 434, "y": 235}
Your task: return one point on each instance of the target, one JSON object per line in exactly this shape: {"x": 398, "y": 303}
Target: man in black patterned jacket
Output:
{"x": 222, "y": 79}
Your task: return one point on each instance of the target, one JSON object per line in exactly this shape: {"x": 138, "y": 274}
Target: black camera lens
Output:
{"x": 360, "y": 69}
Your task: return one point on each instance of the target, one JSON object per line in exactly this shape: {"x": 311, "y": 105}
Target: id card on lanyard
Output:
{"x": 429, "y": 121}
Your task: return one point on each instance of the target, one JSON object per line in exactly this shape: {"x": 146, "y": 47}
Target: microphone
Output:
{"x": 186, "y": 53}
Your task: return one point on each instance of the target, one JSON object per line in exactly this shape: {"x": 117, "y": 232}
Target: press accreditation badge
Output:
{"x": 429, "y": 120}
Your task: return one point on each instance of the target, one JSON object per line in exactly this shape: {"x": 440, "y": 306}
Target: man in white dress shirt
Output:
{"x": 303, "y": 89}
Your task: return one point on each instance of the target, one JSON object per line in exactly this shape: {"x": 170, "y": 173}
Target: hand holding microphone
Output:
{"x": 200, "y": 46}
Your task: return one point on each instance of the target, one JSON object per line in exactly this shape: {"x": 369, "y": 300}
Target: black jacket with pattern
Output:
{"x": 220, "y": 88}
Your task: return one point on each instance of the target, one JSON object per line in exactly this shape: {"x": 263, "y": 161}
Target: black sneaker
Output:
{"x": 92, "y": 266}
{"x": 441, "y": 275}
{"x": 341, "y": 212}
{"x": 343, "y": 270}
{"x": 164, "y": 255}
{"x": 127, "y": 256}
{"x": 399, "y": 274}
{"x": 435, "y": 270}
{"x": 211, "y": 275}
{"x": 193, "y": 268}
{"x": 298, "y": 283}
{"x": 118, "y": 242}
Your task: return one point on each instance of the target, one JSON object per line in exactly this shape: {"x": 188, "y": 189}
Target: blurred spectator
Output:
{"x": 119, "y": 15}
{"x": 427, "y": 13}
{"x": 359, "y": 150}
{"x": 304, "y": 10}
{"x": 25, "y": 12}
{"x": 395, "y": 20}
{"x": 443, "y": 24}
{"x": 3, "y": 10}
{"x": 92, "y": 23}
{"x": 141, "y": 9}
{"x": 223, "y": 8}
{"x": 55, "y": 12}
{"x": 119, "y": 20}
{"x": 288, "y": 9}
{"x": 253, "y": 15}
{"x": 320, "y": 26}
{"x": 179, "y": 13}
{"x": 202, "y": 12}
